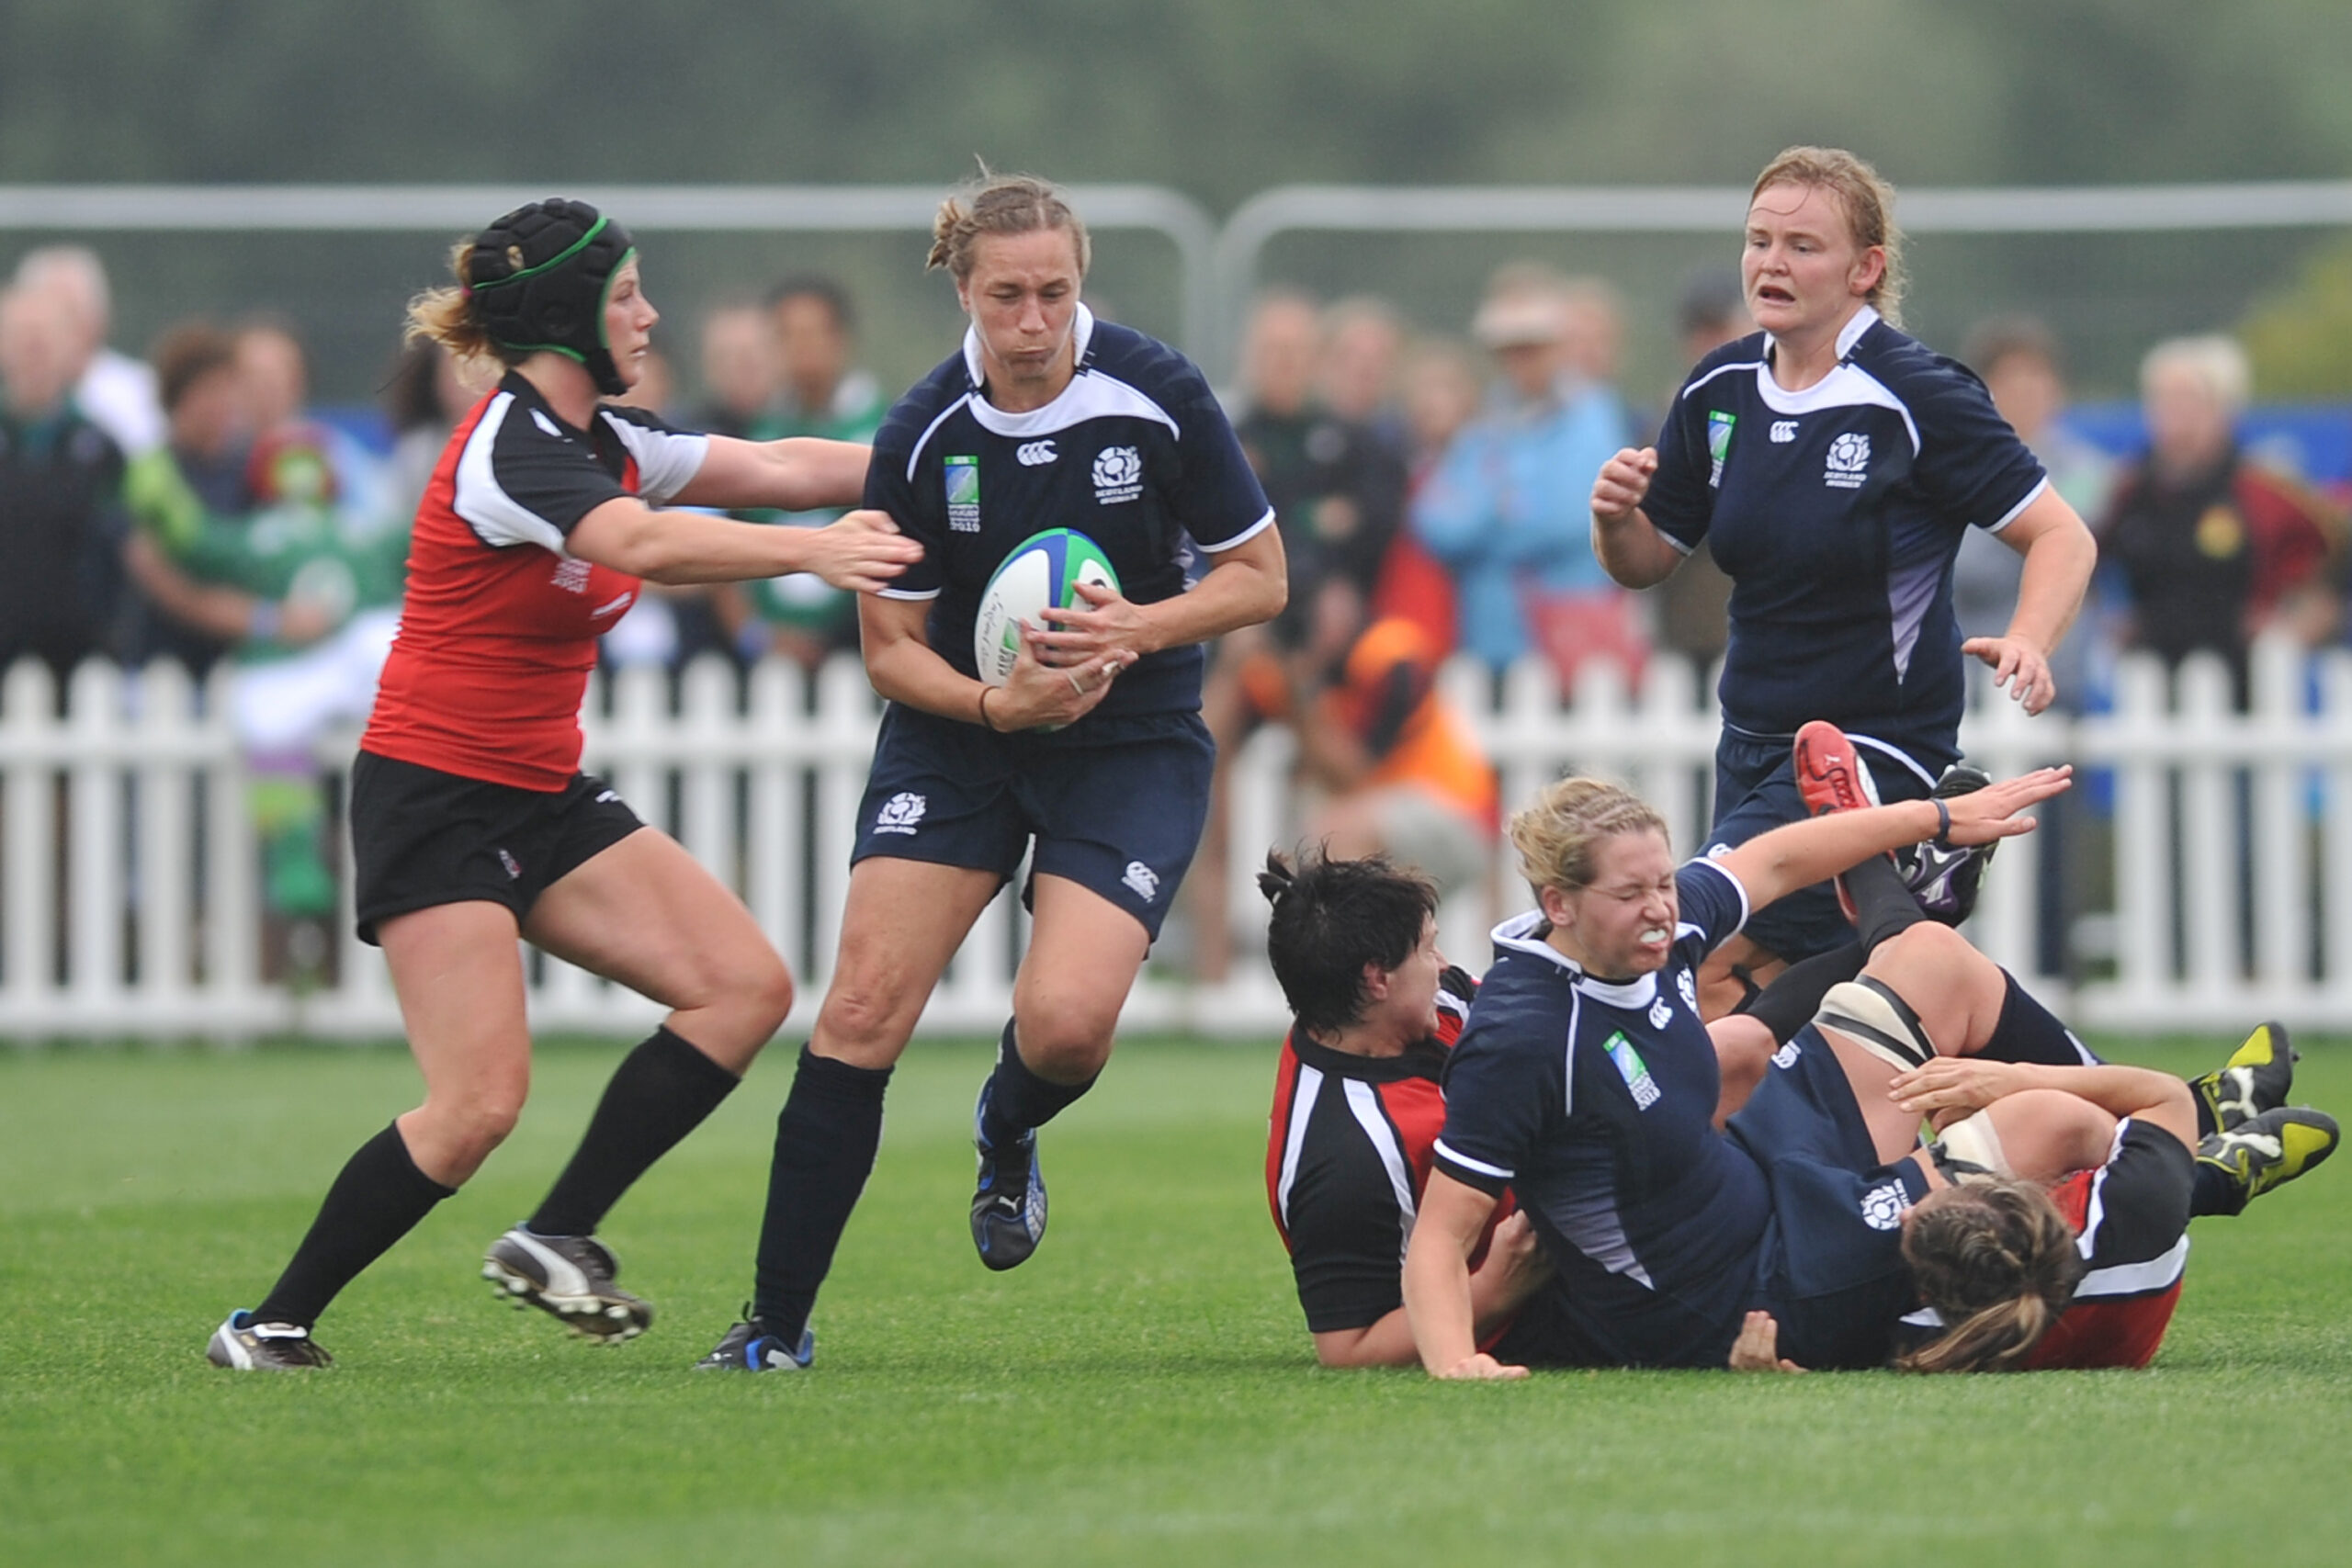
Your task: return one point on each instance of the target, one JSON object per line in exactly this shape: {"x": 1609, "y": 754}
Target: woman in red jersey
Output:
{"x": 471, "y": 823}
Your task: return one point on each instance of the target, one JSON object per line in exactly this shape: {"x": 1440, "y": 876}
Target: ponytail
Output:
{"x": 1998, "y": 1263}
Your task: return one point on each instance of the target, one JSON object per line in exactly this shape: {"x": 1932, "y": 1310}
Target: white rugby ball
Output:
{"x": 1041, "y": 573}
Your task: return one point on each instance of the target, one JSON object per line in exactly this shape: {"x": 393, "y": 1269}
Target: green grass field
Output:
{"x": 1141, "y": 1393}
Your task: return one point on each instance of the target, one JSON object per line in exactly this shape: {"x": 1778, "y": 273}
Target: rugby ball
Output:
{"x": 1041, "y": 573}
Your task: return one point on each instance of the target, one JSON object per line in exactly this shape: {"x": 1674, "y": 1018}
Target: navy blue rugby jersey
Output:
{"x": 1594, "y": 1102}
{"x": 1837, "y": 510}
{"x": 1135, "y": 454}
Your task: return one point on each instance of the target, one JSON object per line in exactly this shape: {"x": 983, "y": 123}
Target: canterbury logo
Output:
{"x": 1034, "y": 454}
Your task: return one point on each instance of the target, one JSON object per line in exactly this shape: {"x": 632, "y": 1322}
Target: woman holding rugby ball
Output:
{"x": 1091, "y": 749}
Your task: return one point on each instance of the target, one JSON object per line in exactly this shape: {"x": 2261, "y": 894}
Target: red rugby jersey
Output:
{"x": 2131, "y": 1215}
{"x": 1347, "y": 1155}
{"x": 499, "y": 625}
{"x": 2130, "y": 1222}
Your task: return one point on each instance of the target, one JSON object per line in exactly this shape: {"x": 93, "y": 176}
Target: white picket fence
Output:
{"x": 130, "y": 902}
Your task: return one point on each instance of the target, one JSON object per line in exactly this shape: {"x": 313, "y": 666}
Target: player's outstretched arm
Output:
{"x": 680, "y": 546}
{"x": 1779, "y": 862}
{"x": 800, "y": 473}
{"x": 1437, "y": 1281}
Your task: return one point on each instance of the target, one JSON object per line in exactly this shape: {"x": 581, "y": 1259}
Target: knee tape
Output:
{"x": 1875, "y": 1018}
{"x": 1970, "y": 1150}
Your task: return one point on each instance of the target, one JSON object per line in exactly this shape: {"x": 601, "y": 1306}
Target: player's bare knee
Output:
{"x": 861, "y": 1019}
{"x": 1063, "y": 1051}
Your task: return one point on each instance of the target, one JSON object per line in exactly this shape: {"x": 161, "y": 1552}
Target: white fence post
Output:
{"x": 2226, "y": 892}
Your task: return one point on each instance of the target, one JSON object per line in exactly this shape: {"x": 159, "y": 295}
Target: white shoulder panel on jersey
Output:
{"x": 923, "y": 440}
{"x": 496, "y": 518}
{"x": 1849, "y": 386}
{"x": 667, "y": 460}
{"x": 1089, "y": 395}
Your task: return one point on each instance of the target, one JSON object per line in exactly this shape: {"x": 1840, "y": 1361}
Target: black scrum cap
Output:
{"x": 538, "y": 278}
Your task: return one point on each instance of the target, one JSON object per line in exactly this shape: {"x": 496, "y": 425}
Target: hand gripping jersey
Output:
{"x": 499, "y": 629}
{"x": 1348, "y": 1151}
{"x": 1135, "y": 454}
{"x": 1837, "y": 511}
{"x": 2130, "y": 1219}
{"x": 1594, "y": 1102}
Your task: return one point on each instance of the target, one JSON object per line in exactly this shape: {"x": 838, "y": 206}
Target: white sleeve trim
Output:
{"x": 1481, "y": 1167}
{"x": 904, "y": 594}
{"x": 497, "y": 519}
{"x": 1746, "y": 909}
{"x": 1244, "y": 537}
{"x": 2011, "y": 514}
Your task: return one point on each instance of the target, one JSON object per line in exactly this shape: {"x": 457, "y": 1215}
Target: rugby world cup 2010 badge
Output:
{"x": 1633, "y": 1070}
{"x": 1118, "y": 475}
{"x": 1719, "y": 428}
{"x": 964, "y": 495}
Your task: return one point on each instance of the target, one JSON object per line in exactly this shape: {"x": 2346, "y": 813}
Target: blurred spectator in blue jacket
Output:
{"x": 1501, "y": 509}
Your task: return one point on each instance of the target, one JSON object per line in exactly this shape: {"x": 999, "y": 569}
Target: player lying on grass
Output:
{"x": 1357, "y": 1107}
{"x": 2122, "y": 1216}
{"x": 1664, "y": 1229}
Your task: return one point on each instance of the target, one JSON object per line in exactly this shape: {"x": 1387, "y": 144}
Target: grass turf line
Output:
{"x": 1142, "y": 1392}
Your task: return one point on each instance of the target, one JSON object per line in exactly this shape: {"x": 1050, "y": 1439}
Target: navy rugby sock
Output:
{"x": 377, "y": 1199}
{"x": 661, "y": 1091}
{"x": 1018, "y": 1100}
{"x": 1789, "y": 1003}
{"x": 2027, "y": 1031}
{"x": 1882, "y": 906}
{"x": 826, "y": 1138}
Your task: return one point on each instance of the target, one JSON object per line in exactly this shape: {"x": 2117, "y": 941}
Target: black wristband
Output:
{"x": 990, "y": 728}
{"x": 1943, "y": 824}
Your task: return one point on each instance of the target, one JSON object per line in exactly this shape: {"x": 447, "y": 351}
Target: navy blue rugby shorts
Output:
{"x": 1832, "y": 1271}
{"x": 1756, "y": 790}
{"x": 1114, "y": 803}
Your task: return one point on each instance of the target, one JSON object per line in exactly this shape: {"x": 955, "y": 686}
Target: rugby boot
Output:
{"x": 2258, "y": 1077}
{"x": 569, "y": 1278}
{"x": 2270, "y": 1150}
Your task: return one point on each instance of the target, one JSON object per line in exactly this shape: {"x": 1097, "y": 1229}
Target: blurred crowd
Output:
{"x": 1430, "y": 486}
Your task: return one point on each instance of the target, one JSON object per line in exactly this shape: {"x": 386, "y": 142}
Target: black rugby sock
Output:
{"x": 661, "y": 1091}
{"x": 377, "y": 1199}
{"x": 1789, "y": 1003}
{"x": 1018, "y": 1100}
{"x": 2027, "y": 1031}
{"x": 826, "y": 1138}
{"x": 2211, "y": 1191}
{"x": 1882, "y": 906}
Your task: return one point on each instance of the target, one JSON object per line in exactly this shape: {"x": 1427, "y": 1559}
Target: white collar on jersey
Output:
{"x": 1081, "y": 335}
{"x": 1518, "y": 935}
{"x": 1089, "y": 395}
{"x": 1848, "y": 335}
